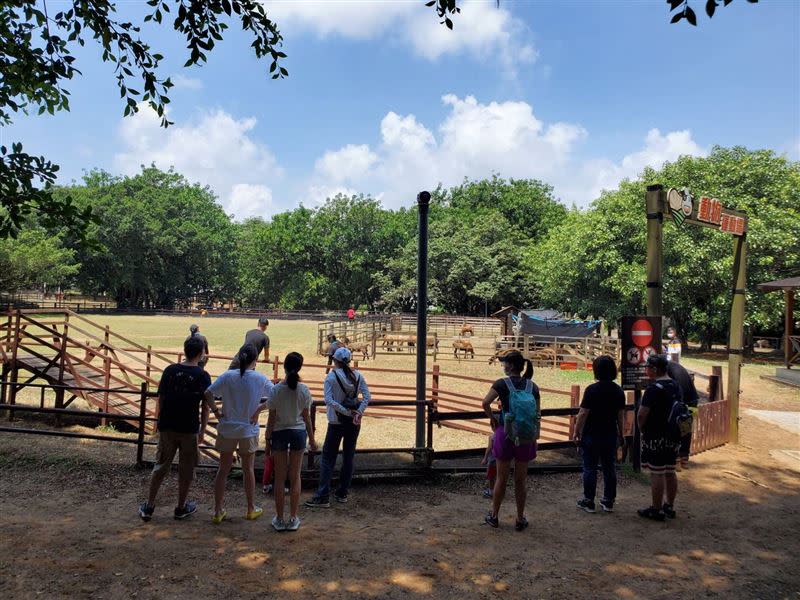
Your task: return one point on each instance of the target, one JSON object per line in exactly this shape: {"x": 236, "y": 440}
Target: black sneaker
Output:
{"x": 607, "y": 505}
{"x": 651, "y": 513}
{"x": 668, "y": 511}
{"x": 146, "y": 511}
{"x": 586, "y": 504}
{"x": 521, "y": 524}
{"x": 491, "y": 520}
{"x": 317, "y": 502}
{"x": 188, "y": 509}
{"x": 341, "y": 499}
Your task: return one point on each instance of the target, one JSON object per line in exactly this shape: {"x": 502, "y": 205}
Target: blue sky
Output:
{"x": 382, "y": 100}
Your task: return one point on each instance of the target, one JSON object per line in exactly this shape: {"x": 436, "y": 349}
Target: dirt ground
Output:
{"x": 68, "y": 528}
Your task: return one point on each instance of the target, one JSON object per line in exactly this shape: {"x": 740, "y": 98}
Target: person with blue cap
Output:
{"x": 342, "y": 389}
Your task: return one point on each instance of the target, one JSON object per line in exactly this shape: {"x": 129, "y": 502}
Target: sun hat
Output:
{"x": 342, "y": 355}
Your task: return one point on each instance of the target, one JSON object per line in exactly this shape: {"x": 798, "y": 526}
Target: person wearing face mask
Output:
{"x": 515, "y": 432}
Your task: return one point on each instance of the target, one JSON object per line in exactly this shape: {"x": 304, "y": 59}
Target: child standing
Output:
{"x": 491, "y": 467}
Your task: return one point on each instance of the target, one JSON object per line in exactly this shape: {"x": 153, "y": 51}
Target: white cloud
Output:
{"x": 216, "y": 149}
{"x": 476, "y": 140}
{"x": 599, "y": 174}
{"x": 481, "y": 29}
{"x": 187, "y": 83}
{"x": 350, "y": 162}
{"x": 249, "y": 200}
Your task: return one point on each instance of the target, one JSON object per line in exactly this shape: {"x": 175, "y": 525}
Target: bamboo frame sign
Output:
{"x": 641, "y": 338}
{"x": 680, "y": 206}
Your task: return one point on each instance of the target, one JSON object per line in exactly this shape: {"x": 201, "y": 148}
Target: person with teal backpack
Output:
{"x": 515, "y": 432}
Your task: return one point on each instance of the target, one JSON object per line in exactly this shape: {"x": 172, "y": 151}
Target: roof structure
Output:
{"x": 792, "y": 283}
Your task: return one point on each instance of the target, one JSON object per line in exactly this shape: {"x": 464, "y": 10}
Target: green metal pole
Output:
{"x": 736, "y": 337}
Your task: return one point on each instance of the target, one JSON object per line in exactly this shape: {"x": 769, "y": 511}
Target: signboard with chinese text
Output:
{"x": 709, "y": 212}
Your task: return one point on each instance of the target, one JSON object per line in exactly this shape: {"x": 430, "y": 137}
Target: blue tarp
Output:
{"x": 547, "y": 323}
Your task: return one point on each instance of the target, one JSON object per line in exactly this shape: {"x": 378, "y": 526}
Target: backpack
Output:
{"x": 521, "y": 422}
{"x": 350, "y": 398}
{"x": 680, "y": 419}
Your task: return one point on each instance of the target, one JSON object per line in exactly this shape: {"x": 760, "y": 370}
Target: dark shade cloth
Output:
{"x": 181, "y": 391}
{"x": 603, "y": 400}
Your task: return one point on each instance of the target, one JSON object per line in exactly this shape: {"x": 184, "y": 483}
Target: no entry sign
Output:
{"x": 641, "y": 337}
{"x": 642, "y": 333}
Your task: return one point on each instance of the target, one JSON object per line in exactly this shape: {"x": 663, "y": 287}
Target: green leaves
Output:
{"x": 688, "y": 13}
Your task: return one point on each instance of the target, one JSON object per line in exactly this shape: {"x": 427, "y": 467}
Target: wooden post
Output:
{"x": 555, "y": 352}
{"x": 574, "y": 402}
{"x": 719, "y": 392}
{"x": 142, "y": 425}
{"x": 106, "y": 385}
{"x": 655, "y": 222}
{"x": 788, "y": 327}
{"x": 149, "y": 359}
{"x": 736, "y": 338}
{"x": 12, "y": 395}
{"x": 636, "y": 450}
{"x": 275, "y": 369}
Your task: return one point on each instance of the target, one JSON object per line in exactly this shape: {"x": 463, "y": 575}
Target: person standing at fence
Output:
{"x": 598, "y": 432}
{"x": 659, "y": 449}
{"x": 180, "y": 393}
{"x": 333, "y": 346}
{"x": 351, "y": 313}
{"x": 515, "y": 432}
{"x": 288, "y": 430}
{"x": 255, "y": 337}
{"x": 242, "y": 392}
{"x": 194, "y": 331}
{"x": 342, "y": 388}
{"x": 680, "y": 375}
{"x": 673, "y": 345}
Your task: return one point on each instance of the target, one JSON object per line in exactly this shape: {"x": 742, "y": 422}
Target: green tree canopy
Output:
{"x": 594, "y": 262}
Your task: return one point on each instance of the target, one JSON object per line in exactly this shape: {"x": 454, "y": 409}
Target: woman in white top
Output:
{"x": 242, "y": 390}
{"x": 342, "y": 388}
{"x": 288, "y": 428}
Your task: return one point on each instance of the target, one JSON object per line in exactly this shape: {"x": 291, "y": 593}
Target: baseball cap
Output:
{"x": 342, "y": 355}
{"x": 657, "y": 361}
{"x": 511, "y": 356}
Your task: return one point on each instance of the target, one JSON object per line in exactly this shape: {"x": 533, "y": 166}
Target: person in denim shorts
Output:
{"x": 288, "y": 428}
{"x": 504, "y": 449}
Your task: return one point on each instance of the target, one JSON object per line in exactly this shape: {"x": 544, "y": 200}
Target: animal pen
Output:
{"x": 68, "y": 367}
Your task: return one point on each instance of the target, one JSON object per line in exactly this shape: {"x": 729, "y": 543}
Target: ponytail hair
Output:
{"x": 517, "y": 362}
{"x": 528, "y": 374}
{"x": 247, "y": 354}
{"x": 344, "y": 365}
{"x": 292, "y": 366}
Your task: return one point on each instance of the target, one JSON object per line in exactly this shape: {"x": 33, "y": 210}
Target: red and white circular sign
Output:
{"x": 642, "y": 333}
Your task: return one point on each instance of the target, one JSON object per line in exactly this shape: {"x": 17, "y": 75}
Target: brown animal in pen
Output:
{"x": 466, "y": 329}
{"x": 361, "y": 348}
{"x": 465, "y": 346}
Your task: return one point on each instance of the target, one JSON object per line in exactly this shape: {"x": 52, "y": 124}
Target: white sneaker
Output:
{"x": 293, "y": 524}
{"x": 278, "y": 524}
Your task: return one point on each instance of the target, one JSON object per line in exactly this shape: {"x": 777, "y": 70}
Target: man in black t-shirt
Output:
{"x": 255, "y": 337}
{"x": 659, "y": 450}
{"x": 680, "y": 375}
{"x": 180, "y": 394}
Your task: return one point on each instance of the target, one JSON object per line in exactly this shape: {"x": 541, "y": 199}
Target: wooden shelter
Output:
{"x": 791, "y": 342}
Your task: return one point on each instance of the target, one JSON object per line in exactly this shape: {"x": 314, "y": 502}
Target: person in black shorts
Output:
{"x": 255, "y": 337}
{"x": 659, "y": 450}
{"x": 598, "y": 431}
{"x": 194, "y": 331}
{"x": 680, "y": 375}
{"x": 180, "y": 393}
